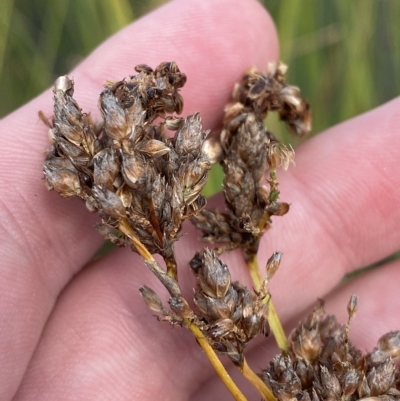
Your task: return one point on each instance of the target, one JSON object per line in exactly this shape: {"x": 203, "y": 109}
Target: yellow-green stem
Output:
{"x": 273, "y": 319}
{"x": 172, "y": 269}
{"x": 217, "y": 364}
{"x": 125, "y": 227}
{"x": 262, "y": 224}
{"x": 256, "y": 381}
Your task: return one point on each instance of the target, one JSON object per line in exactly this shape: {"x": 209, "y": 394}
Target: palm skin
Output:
{"x": 77, "y": 331}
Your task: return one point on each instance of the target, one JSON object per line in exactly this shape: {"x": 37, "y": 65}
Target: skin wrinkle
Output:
{"x": 88, "y": 362}
{"x": 322, "y": 226}
{"x": 7, "y": 224}
{"x": 353, "y": 189}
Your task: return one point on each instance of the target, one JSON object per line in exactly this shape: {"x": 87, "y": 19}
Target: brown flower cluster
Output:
{"x": 125, "y": 167}
{"x": 228, "y": 313}
{"x": 231, "y": 314}
{"x": 321, "y": 364}
{"x": 247, "y": 152}
{"x": 144, "y": 184}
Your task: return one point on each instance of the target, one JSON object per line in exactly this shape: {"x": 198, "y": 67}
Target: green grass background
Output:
{"x": 344, "y": 55}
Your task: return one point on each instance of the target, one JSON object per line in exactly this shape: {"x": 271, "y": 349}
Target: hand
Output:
{"x": 74, "y": 330}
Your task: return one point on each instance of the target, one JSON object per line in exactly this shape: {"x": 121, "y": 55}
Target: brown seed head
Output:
{"x": 151, "y": 298}
{"x": 273, "y": 264}
{"x": 109, "y": 202}
{"x": 390, "y": 344}
{"x": 64, "y": 181}
{"x": 214, "y": 276}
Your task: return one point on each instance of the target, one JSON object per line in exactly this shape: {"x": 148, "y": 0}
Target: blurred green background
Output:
{"x": 344, "y": 55}
{"x": 341, "y": 53}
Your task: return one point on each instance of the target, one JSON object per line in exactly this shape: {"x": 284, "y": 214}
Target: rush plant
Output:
{"x": 142, "y": 169}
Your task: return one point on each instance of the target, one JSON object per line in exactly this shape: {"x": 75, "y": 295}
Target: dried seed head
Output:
{"x": 214, "y": 276}
{"x": 64, "y": 84}
{"x": 64, "y": 181}
{"x": 211, "y": 308}
{"x": 221, "y": 328}
{"x": 390, "y": 344}
{"x": 151, "y": 298}
{"x": 153, "y": 148}
{"x": 350, "y": 382}
{"x": 273, "y": 264}
{"x": 338, "y": 371}
{"x": 174, "y": 123}
{"x": 135, "y": 170}
{"x": 382, "y": 378}
{"x": 330, "y": 384}
{"x": 247, "y": 150}
{"x": 307, "y": 343}
{"x": 252, "y": 325}
{"x": 352, "y": 307}
{"x": 213, "y": 149}
{"x": 231, "y": 314}
{"x": 277, "y": 208}
{"x": 109, "y": 202}
{"x": 143, "y": 68}
{"x": 106, "y": 168}
{"x": 116, "y": 122}
{"x": 189, "y": 138}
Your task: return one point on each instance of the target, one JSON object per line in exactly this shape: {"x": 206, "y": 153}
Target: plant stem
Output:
{"x": 125, "y": 227}
{"x": 264, "y": 221}
{"x": 273, "y": 319}
{"x": 173, "y": 290}
{"x": 172, "y": 269}
{"x": 217, "y": 364}
{"x": 256, "y": 381}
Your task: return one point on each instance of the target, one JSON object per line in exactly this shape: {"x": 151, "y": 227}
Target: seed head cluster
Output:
{"x": 247, "y": 151}
{"x": 125, "y": 167}
{"x": 144, "y": 184}
{"x": 321, "y": 364}
{"x": 231, "y": 313}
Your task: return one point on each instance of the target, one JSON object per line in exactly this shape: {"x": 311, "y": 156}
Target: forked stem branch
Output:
{"x": 208, "y": 350}
{"x": 256, "y": 381}
{"x": 217, "y": 364}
